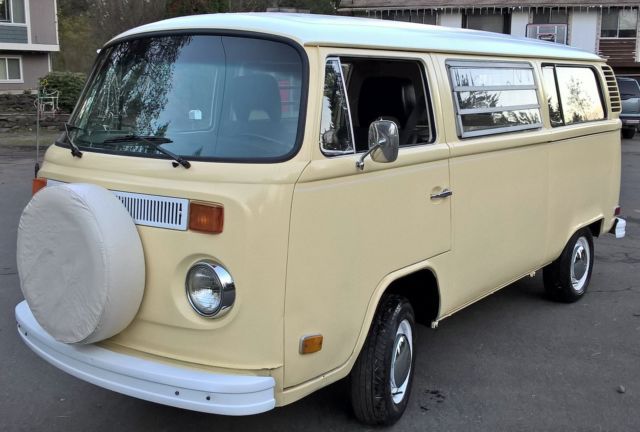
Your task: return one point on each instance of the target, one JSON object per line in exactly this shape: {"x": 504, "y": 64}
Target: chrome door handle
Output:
{"x": 444, "y": 194}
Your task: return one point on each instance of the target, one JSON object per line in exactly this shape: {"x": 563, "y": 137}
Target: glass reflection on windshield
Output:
{"x": 213, "y": 96}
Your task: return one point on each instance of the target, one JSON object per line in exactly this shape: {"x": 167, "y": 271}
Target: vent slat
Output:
{"x": 155, "y": 211}
{"x": 612, "y": 87}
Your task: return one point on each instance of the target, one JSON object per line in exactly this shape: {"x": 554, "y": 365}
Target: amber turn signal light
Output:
{"x": 208, "y": 218}
{"x": 38, "y": 183}
{"x": 310, "y": 344}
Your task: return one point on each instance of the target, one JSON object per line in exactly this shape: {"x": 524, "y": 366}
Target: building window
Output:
{"x": 10, "y": 69}
{"x": 12, "y": 11}
{"x": 5, "y": 13}
{"x": 498, "y": 21}
{"x": 619, "y": 23}
{"x": 494, "y": 98}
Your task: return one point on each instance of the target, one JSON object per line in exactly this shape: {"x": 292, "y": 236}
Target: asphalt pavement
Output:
{"x": 511, "y": 362}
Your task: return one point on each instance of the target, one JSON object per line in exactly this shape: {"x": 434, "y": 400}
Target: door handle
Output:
{"x": 444, "y": 194}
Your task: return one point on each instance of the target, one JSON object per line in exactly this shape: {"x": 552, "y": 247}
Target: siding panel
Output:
{"x": 13, "y": 34}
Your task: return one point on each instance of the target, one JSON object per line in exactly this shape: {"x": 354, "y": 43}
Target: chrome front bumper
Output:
{"x": 144, "y": 379}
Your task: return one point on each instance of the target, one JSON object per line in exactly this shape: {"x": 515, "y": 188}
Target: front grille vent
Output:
{"x": 156, "y": 211}
{"x": 152, "y": 210}
{"x": 614, "y": 93}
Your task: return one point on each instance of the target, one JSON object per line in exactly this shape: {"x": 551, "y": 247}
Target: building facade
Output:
{"x": 28, "y": 36}
{"x": 608, "y": 28}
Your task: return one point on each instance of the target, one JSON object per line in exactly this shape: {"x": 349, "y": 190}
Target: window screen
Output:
{"x": 493, "y": 98}
{"x": 4, "y": 11}
{"x": 18, "y": 11}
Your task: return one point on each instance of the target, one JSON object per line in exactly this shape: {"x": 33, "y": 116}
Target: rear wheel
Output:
{"x": 382, "y": 376}
{"x": 567, "y": 278}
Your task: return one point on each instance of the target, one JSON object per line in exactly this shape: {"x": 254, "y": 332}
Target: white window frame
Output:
{"x": 12, "y": 81}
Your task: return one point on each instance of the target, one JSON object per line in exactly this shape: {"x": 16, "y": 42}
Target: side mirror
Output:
{"x": 384, "y": 141}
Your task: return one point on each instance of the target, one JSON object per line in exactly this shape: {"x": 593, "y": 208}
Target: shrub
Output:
{"x": 69, "y": 84}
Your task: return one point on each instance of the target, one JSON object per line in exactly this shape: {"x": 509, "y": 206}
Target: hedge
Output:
{"x": 69, "y": 84}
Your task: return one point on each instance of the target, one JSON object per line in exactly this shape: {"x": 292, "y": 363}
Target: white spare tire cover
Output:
{"x": 80, "y": 262}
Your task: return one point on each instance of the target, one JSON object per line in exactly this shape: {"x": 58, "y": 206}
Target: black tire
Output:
{"x": 628, "y": 133}
{"x": 371, "y": 380}
{"x": 559, "y": 282}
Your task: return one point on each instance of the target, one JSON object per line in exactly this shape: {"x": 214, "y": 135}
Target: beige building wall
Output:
{"x": 453, "y": 19}
{"x": 519, "y": 21}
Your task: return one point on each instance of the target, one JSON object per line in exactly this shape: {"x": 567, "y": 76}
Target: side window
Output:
{"x": 393, "y": 90}
{"x": 573, "y": 94}
{"x": 376, "y": 89}
{"x": 579, "y": 94}
{"x": 336, "y": 135}
{"x": 493, "y": 98}
{"x": 551, "y": 90}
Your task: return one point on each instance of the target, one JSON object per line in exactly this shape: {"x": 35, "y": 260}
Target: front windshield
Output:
{"x": 198, "y": 96}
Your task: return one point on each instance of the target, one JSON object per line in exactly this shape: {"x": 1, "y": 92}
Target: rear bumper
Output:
{"x": 144, "y": 379}
{"x": 619, "y": 227}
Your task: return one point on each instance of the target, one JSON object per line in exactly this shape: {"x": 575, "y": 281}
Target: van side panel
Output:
{"x": 584, "y": 183}
{"x": 499, "y": 220}
{"x": 347, "y": 233}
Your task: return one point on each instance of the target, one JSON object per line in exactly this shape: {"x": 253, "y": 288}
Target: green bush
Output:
{"x": 69, "y": 84}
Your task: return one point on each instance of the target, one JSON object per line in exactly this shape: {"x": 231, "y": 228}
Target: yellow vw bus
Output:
{"x": 248, "y": 207}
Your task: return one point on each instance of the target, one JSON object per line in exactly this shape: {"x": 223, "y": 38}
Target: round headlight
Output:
{"x": 210, "y": 289}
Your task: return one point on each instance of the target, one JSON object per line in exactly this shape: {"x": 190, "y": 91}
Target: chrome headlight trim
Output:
{"x": 227, "y": 289}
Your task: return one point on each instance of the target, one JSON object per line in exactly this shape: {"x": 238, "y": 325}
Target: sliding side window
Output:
{"x": 336, "y": 133}
{"x": 573, "y": 94}
{"x": 492, "y": 98}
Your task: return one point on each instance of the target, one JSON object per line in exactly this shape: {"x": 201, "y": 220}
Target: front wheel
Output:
{"x": 382, "y": 376}
{"x": 567, "y": 278}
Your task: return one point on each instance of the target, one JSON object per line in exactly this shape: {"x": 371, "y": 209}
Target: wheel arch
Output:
{"x": 397, "y": 282}
{"x": 418, "y": 283}
{"x": 421, "y": 289}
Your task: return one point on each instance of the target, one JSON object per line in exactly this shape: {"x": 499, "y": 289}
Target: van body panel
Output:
{"x": 376, "y": 231}
{"x": 499, "y": 220}
{"x": 583, "y": 189}
{"x": 253, "y": 247}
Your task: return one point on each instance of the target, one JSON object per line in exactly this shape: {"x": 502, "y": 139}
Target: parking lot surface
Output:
{"x": 511, "y": 362}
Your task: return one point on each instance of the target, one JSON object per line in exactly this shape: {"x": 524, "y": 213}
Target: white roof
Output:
{"x": 340, "y": 31}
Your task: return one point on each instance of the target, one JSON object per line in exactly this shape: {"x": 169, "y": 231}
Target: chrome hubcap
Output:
{"x": 401, "y": 361}
{"x": 580, "y": 260}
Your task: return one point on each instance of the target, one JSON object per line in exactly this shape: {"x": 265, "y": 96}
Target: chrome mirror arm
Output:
{"x": 360, "y": 162}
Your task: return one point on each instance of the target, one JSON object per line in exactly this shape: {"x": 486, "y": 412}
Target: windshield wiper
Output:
{"x": 154, "y": 141}
{"x": 75, "y": 151}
